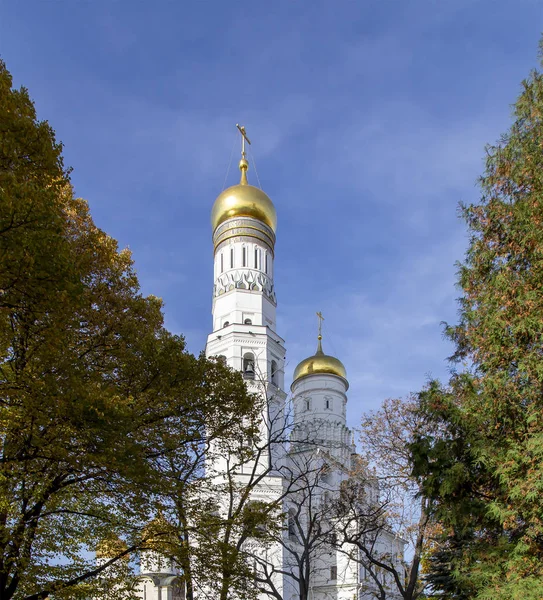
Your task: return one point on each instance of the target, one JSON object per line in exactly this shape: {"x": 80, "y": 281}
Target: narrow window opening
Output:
{"x": 222, "y": 262}
{"x": 256, "y": 258}
{"x": 274, "y": 372}
{"x": 325, "y": 473}
{"x": 244, "y": 256}
{"x": 231, "y": 258}
{"x": 255, "y": 572}
{"x": 249, "y": 366}
{"x": 333, "y": 573}
{"x": 291, "y": 523}
{"x": 266, "y": 262}
{"x": 307, "y": 405}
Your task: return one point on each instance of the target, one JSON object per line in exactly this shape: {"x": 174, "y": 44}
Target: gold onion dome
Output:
{"x": 243, "y": 200}
{"x": 110, "y": 547}
{"x": 158, "y": 533}
{"x": 320, "y": 364}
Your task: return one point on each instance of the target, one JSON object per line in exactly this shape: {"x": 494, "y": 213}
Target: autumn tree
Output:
{"x": 382, "y": 514}
{"x": 305, "y": 538}
{"x": 221, "y": 497}
{"x": 484, "y": 471}
{"x": 211, "y": 513}
{"x": 92, "y": 387}
{"x": 244, "y": 500}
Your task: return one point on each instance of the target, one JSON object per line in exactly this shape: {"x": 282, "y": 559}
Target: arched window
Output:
{"x": 244, "y": 257}
{"x": 274, "y": 372}
{"x": 226, "y": 323}
{"x": 249, "y": 365}
{"x": 327, "y": 403}
{"x": 248, "y": 322}
{"x": 221, "y": 358}
{"x": 231, "y": 258}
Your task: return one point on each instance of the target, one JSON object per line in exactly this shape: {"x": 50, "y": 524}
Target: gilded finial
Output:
{"x": 243, "y": 163}
{"x": 319, "y": 337}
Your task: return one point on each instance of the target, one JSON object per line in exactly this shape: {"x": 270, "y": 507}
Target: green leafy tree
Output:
{"x": 484, "y": 470}
{"x": 93, "y": 389}
{"x": 209, "y": 514}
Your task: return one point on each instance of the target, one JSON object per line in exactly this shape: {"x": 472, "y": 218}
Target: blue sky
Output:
{"x": 368, "y": 121}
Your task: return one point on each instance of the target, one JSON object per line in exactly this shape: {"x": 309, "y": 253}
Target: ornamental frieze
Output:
{"x": 244, "y": 280}
{"x": 249, "y": 342}
{"x": 246, "y": 223}
{"x": 244, "y": 229}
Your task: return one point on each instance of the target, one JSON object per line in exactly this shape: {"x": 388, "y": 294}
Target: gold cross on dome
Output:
{"x": 244, "y": 138}
{"x": 321, "y": 319}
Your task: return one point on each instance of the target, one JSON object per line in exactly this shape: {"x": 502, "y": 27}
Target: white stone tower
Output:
{"x": 321, "y": 454}
{"x": 244, "y": 221}
{"x": 319, "y": 397}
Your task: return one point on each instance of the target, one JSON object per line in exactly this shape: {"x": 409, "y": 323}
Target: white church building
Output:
{"x": 305, "y": 471}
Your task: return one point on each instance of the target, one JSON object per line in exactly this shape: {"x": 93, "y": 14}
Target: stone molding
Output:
{"x": 244, "y": 279}
{"x": 244, "y": 229}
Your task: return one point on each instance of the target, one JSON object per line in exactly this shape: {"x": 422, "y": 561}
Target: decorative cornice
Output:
{"x": 250, "y": 341}
{"x": 241, "y": 227}
{"x": 244, "y": 279}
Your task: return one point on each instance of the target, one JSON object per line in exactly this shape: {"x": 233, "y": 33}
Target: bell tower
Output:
{"x": 244, "y": 222}
{"x": 319, "y": 397}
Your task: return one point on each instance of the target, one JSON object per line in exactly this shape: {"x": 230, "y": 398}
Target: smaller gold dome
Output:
{"x": 320, "y": 363}
{"x": 110, "y": 547}
{"x": 243, "y": 200}
{"x": 158, "y": 533}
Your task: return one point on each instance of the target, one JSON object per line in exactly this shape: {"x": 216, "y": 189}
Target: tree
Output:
{"x": 228, "y": 504}
{"x": 307, "y": 538}
{"x": 306, "y": 535}
{"x": 92, "y": 387}
{"x": 381, "y": 512}
{"x": 484, "y": 471}
{"x": 244, "y": 501}
{"x": 210, "y": 513}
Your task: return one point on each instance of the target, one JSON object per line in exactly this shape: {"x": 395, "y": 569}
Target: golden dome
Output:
{"x": 110, "y": 547}
{"x": 158, "y": 533}
{"x": 243, "y": 200}
{"x": 320, "y": 363}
